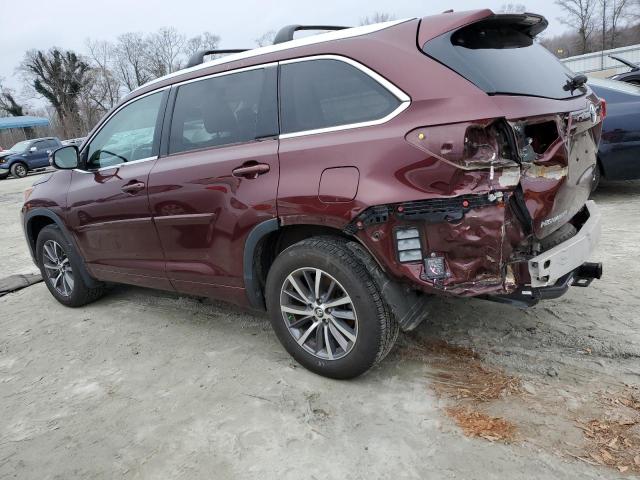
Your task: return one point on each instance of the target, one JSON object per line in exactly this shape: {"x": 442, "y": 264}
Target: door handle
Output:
{"x": 133, "y": 187}
{"x": 252, "y": 170}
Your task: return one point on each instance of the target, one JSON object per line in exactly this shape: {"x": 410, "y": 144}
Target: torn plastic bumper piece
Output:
{"x": 528, "y": 297}
{"x": 549, "y": 266}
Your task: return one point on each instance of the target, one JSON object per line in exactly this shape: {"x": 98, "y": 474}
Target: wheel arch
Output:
{"x": 266, "y": 241}
{"x": 37, "y": 219}
{"x": 18, "y": 161}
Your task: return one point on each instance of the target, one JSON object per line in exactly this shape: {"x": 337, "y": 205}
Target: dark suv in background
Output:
{"x": 27, "y": 155}
{"x": 337, "y": 181}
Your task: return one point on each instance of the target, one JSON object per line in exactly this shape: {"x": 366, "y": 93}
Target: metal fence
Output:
{"x": 600, "y": 64}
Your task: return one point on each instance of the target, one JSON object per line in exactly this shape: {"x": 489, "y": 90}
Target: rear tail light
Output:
{"x": 408, "y": 245}
{"x": 468, "y": 145}
{"x": 603, "y": 108}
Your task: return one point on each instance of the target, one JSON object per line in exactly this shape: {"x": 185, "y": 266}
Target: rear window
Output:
{"x": 501, "y": 59}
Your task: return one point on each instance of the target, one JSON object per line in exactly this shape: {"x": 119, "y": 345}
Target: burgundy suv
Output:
{"x": 337, "y": 181}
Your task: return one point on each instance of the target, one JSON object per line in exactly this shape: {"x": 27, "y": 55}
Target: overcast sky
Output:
{"x": 41, "y": 24}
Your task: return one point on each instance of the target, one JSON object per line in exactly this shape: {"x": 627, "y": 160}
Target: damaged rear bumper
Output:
{"x": 528, "y": 297}
{"x": 550, "y": 266}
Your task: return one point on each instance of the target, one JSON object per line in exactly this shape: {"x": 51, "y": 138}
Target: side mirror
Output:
{"x": 33, "y": 149}
{"x": 65, "y": 158}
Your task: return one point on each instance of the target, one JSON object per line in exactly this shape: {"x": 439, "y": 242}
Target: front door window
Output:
{"x": 128, "y": 136}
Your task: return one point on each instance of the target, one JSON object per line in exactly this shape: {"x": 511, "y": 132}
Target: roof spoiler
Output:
{"x": 198, "y": 57}
{"x": 530, "y": 24}
{"x": 285, "y": 34}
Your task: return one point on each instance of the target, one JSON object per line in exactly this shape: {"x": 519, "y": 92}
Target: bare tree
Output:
{"x": 105, "y": 86}
{"x": 131, "y": 54}
{"x": 59, "y": 76}
{"x": 266, "y": 38}
{"x": 206, "y": 41}
{"x": 579, "y": 15}
{"x": 377, "y": 17}
{"x": 164, "y": 51}
{"x": 617, "y": 11}
{"x": 512, "y": 8}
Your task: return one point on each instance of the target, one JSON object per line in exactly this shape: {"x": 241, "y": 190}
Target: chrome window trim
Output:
{"x": 225, "y": 73}
{"x": 405, "y": 100}
{"x": 117, "y": 165}
{"x": 299, "y": 42}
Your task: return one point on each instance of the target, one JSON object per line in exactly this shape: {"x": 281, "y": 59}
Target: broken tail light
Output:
{"x": 468, "y": 145}
{"x": 603, "y": 108}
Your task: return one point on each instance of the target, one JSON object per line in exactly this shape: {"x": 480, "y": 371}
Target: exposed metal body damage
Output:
{"x": 518, "y": 182}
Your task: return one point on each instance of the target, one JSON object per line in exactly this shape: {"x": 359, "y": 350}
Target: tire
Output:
{"x": 365, "y": 326}
{"x": 63, "y": 278}
{"x": 19, "y": 170}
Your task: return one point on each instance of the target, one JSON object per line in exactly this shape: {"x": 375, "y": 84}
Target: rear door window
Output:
{"x": 324, "y": 93}
{"x": 224, "y": 110}
{"x": 501, "y": 59}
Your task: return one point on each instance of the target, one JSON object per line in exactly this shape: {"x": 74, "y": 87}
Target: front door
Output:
{"x": 218, "y": 180}
{"x": 108, "y": 205}
{"x": 38, "y": 154}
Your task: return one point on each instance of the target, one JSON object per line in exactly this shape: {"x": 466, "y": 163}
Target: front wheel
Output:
{"x": 326, "y": 309}
{"x": 61, "y": 271}
{"x": 19, "y": 170}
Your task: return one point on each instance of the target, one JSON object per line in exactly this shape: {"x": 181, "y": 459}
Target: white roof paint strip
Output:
{"x": 300, "y": 42}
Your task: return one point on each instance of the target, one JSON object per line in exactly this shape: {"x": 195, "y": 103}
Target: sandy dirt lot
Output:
{"x": 145, "y": 384}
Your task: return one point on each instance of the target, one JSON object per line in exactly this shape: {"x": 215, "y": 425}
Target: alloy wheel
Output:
{"x": 319, "y": 313}
{"x": 57, "y": 268}
{"x": 21, "y": 171}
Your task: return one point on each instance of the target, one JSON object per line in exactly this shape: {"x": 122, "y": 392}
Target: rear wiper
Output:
{"x": 574, "y": 83}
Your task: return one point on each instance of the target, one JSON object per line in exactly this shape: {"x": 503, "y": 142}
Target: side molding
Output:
{"x": 251, "y": 285}
{"x": 43, "y": 212}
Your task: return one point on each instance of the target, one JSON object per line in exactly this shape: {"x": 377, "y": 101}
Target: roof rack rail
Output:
{"x": 285, "y": 34}
{"x": 198, "y": 57}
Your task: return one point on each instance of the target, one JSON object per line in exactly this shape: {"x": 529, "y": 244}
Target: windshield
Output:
{"x": 20, "y": 146}
{"x": 501, "y": 59}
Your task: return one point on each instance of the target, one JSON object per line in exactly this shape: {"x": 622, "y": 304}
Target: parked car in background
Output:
{"x": 338, "y": 181}
{"x": 632, "y": 76}
{"x": 619, "y": 152}
{"x": 26, "y": 156}
{"x": 73, "y": 141}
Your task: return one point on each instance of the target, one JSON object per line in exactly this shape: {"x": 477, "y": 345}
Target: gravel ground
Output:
{"x": 145, "y": 384}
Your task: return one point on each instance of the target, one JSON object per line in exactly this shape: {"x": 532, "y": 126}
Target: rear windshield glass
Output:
{"x": 501, "y": 59}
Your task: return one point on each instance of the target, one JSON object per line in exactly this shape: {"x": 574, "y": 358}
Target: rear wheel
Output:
{"x": 19, "y": 170}
{"x": 61, "y": 270}
{"x": 326, "y": 309}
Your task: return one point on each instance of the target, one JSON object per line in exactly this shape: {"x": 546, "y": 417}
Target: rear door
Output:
{"x": 218, "y": 179}
{"x": 108, "y": 207}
